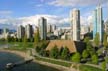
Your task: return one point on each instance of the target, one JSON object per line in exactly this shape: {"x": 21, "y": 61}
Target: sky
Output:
{"x": 23, "y": 12}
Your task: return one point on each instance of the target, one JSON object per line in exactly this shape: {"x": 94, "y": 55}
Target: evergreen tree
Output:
{"x": 65, "y": 53}
{"x": 94, "y": 59}
{"x": 105, "y": 40}
{"x": 54, "y": 52}
{"x": 85, "y": 54}
{"x": 87, "y": 40}
{"x": 106, "y": 59}
{"x": 103, "y": 65}
{"x": 25, "y": 41}
{"x": 36, "y": 37}
{"x": 97, "y": 39}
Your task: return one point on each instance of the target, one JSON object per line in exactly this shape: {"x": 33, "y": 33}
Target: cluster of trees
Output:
{"x": 13, "y": 39}
{"x": 90, "y": 51}
{"x": 62, "y": 53}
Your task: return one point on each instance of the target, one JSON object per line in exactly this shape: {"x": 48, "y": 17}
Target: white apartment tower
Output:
{"x": 29, "y": 31}
{"x": 75, "y": 24}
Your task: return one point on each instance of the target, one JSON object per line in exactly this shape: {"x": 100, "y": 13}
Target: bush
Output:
{"x": 103, "y": 66}
{"x": 94, "y": 59}
{"x": 76, "y": 57}
{"x": 85, "y": 54}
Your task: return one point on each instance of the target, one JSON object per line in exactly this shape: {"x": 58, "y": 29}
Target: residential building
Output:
{"x": 98, "y": 24}
{"x": 49, "y": 28}
{"x": 29, "y": 31}
{"x": 106, "y": 27}
{"x": 42, "y": 22}
{"x": 5, "y": 33}
{"x": 20, "y": 32}
{"x": 75, "y": 24}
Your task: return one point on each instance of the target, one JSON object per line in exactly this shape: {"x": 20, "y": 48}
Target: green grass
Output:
{"x": 54, "y": 62}
{"x": 19, "y": 46}
{"x": 88, "y": 68}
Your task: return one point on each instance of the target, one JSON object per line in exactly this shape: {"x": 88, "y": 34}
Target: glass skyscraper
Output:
{"x": 98, "y": 24}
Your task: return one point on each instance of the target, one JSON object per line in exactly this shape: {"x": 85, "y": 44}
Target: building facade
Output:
{"x": 5, "y": 33}
{"x": 42, "y": 22}
{"x": 75, "y": 24}
{"x": 98, "y": 24}
{"x": 49, "y": 28}
{"x": 20, "y": 32}
{"x": 106, "y": 27}
{"x": 29, "y": 31}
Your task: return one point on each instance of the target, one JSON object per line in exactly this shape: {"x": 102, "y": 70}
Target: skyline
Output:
{"x": 24, "y": 12}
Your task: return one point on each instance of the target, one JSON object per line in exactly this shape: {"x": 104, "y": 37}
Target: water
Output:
{"x": 12, "y": 58}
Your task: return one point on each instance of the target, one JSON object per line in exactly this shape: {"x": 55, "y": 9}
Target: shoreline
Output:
{"x": 26, "y": 56}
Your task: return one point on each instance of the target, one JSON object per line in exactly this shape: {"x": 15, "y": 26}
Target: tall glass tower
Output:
{"x": 98, "y": 24}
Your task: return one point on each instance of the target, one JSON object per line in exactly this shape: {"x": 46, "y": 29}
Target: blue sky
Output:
{"x": 61, "y": 8}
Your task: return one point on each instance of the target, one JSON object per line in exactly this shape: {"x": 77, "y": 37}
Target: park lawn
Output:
{"x": 20, "y": 46}
{"x": 54, "y": 62}
{"x": 88, "y": 68}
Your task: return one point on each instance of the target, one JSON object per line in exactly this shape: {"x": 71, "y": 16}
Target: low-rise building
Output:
{"x": 73, "y": 46}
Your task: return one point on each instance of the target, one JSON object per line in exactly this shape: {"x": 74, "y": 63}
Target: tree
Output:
{"x": 105, "y": 40}
{"x": 54, "y": 52}
{"x": 76, "y": 57}
{"x": 65, "y": 53}
{"x": 25, "y": 41}
{"x": 106, "y": 59}
{"x": 87, "y": 40}
{"x": 36, "y": 37}
{"x": 97, "y": 39}
{"x": 90, "y": 49}
{"x": 103, "y": 66}
{"x": 85, "y": 54}
{"x": 94, "y": 59}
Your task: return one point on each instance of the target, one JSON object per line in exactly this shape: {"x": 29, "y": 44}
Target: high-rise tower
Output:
{"x": 42, "y": 22}
{"x": 75, "y": 24}
{"x": 98, "y": 24}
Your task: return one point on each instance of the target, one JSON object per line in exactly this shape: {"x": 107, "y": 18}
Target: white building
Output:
{"x": 29, "y": 31}
{"x": 42, "y": 22}
{"x": 75, "y": 24}
{"x": 20, "y": 32}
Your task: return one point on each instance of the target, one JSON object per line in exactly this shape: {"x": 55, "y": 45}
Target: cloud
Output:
{"x": 33, "y": 20}
{"x": 76, "y": 2}
{"x": 51, "y": 19}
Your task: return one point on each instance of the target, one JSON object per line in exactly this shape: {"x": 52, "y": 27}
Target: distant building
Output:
{"x": 42, "y": 22}
{"x": 91, "y": 27}
{"x": 5, "y": 33}
{"x": 106, "y": 27}
{"x": 1, "y": 31}
{"x": 54, "y": 27}
{"x": 98, "y": 24}
{"x": 75, "y": 24}
{"x": 20, "y": 32}
{"x": 29, "y": 31}
{"x": 49, "y": 29}
{"x": 84, "y": 30}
